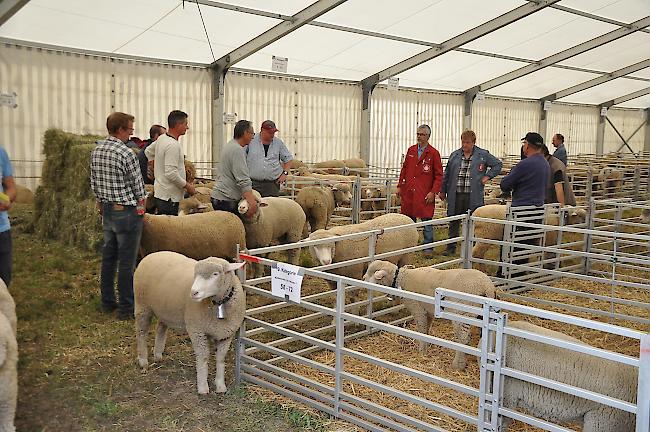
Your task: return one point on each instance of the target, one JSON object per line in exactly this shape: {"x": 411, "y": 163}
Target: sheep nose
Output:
{"x": 195, "y": 293}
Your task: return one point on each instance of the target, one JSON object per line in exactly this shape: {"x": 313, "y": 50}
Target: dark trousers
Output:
{"x": 520, "y": 261}
{"x": 168, "y": 207}
{"x": 427, "y": 232}
{"x": 267, "y": 188}
{"x": 461, "y": 207}
{"x": 122, "y": 231}
{"x": 5, "y": 256}
{"x": 225, "y": 205}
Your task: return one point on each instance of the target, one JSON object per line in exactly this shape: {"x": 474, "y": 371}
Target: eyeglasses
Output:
{"x": 422, "y": 134}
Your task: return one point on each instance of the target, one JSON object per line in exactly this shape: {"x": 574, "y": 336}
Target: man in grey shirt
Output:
{"x": 234, "y": 181}
{"x": 560, "y": 150}
{"x": 268, "y": 160}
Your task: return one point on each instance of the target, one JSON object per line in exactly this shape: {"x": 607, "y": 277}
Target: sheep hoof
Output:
{"x": 144, "y": 363}
{"x": 204, "y": 389}
{"x": 221, "y": 388}
{"x": 457, "y": 365}
{"x": 157, "y": 357}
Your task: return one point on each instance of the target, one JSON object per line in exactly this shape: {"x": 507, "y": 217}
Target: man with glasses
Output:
{"x": 116, "y": 180}
{"x": 420, "y": 180}
{"x": 170, "y": 181}
{"x": 234, "y": 181}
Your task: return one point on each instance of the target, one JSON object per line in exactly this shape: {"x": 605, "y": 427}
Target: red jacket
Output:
{"x": 419, "y": 177}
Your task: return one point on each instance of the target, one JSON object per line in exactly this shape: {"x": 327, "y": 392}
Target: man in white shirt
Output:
{"x": 169, "y": 170}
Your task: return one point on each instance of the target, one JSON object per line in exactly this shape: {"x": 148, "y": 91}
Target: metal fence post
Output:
{"x": 340, "y": 330}
{"x": 240, "y": 346}
{"x": 589, "y": 189}
{"x": 466, "y": 242}
{"x": 591, "y": 214}
{"x": 356, "y": 200}
{"x": 637, "y": 183}
{"x": 643, "y": 390}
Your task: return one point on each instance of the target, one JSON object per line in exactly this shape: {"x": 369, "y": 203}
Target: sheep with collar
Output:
{"x": 425, "y": 280}
{"x": 204, "y": 298}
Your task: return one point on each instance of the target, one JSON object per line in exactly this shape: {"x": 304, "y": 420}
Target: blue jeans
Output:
{"x": 122, "y": 231}
{"x": 5, "y": 256}
{"x": 428, "y": 231}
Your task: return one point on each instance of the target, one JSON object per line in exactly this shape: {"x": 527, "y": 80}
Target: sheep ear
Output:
{"x": 231, "y": 267}
{"x": 263, "y": 204}
{"x": 379, "y": 274}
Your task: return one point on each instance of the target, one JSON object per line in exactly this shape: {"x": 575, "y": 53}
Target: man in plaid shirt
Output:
{"x": 116, "y": 180}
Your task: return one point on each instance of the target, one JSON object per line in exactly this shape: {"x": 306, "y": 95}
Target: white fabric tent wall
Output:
{"x": 578, "y": 124}
{"x": 500, "y": 123}
{"x": 73, "y": 93}
{"x": 397, "y": 114}
{"x": 626, "y": 121}
{"x": 318, "y": 120}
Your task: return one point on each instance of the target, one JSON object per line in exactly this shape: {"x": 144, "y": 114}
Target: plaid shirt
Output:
{"x": 463, "y": 184}
{"x": 115, "y": 175}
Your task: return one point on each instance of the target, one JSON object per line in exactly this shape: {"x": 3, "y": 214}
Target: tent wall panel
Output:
{"x": 578, "y": 124}
{"x": 626, "y": 121}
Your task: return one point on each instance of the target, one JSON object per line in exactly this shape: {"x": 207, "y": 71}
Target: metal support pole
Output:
{"x": 466, "y": 243}
{"x": 646, "y": 142}
{"x": 588, "y": 239}
{"x": 218, "y": 110}
{"x": 620, "y": 136}
{"x": 364, "y": 148}
{"x": 340, "y": 330}
{"x": 600, "y": 134}
{"x": 543, "y": 121}
{"x": 469, "y": 97}
{"x": 356, "y": 201}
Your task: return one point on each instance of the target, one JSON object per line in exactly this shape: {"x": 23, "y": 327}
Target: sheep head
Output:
{"x": 342, "y": 193}
{"x": 645, "y": 216}
{"x": 380, "y": 272}
{"x": 243, "y": 207}
{"x": 577, "y": 215}
{"x": 190, "y": 206}
{"x": 213, "y": 278}
{"x": 323, "y": 253}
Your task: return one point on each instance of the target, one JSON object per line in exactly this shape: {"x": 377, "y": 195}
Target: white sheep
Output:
{"x": 573, "y": 368}
{"x": 8, "y": 375}
{"x": 425, "y": 280}
{"x": 197, "y": 236}
{"x": 345, "y": 250}
{"x": 276, "y": 219}
{"x": 193, "y": 205}
{"x": 319, "y": 203}
{"x": 645, "y": 216}
{"x": 494, "y": 231}
{"x": 204, "y": 298}
{"x": 7, "y": 305}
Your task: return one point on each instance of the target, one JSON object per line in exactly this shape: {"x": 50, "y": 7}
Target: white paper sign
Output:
{"x": 279, "y": 64}
{"x": 480, "y": 96}
{"x": 393, "y": 83}
{"x": 9, "y": 100}
{"x": 230, "y": 117}
{"x": 547, "y": 105}
{"x": 603, "y": 111}
{"x": 286, "y": 280}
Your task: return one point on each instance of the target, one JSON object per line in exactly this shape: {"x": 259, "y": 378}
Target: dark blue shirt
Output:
{"x": 528, "y": 180}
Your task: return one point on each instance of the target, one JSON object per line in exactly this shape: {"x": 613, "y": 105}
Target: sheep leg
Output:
{"x": 220, "y": 356}
{"x": 463, "y": 335}
{"x": 201, "y": 350}
{"x": 319, "y": 219}
{"x": 478, "y": 251}
{"x": 602, "y": 420}
{"x": 161, "y": 338}
{"x": 142, "y": 325}
{"x": 422, "y": 323}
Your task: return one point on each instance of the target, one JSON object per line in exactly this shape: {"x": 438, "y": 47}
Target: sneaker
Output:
{"x": 449, "y": 252}
{"x": 124, "y": 315}
{"x": 107, "y": 309}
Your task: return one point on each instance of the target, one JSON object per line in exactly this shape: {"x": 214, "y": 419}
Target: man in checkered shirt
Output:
{"x": 116, "y": 180}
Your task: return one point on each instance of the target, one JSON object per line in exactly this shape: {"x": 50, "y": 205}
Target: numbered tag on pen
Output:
{"x": 286, "y": 280}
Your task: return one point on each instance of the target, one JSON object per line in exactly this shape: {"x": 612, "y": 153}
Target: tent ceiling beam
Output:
{"x": 567, "y": 53}
{"x": 627, "y": 97}
{"x": 280, "y": 30}
{"x": 597, "y": 81}
{"x": 459, "y": 40}
{"x": 8, "y": 8}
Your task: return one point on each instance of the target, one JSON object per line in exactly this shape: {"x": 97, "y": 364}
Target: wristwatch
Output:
{"x": 285, "y": 172}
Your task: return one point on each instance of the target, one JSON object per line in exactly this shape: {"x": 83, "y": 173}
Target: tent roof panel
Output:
{"x": 456, "y": 71}
{"x": 541, "y": 83}
{"x": 284, "y": 7}
{"x": 432, "y": 21}
{"x": 620, "y": 10}
{"x": 348, "y": 51}
{"x": 642, "y": 102}
{"x": 542, "y": 34}
{"x": 627, "y": 50}
{"x": 607, "y": 91}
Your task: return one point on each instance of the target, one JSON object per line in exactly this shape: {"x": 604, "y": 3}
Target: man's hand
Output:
{"x": 5, "y": 205}
{"x": 252, "y": 207}
{"x": 281, "y": 179}
{"x": 442, "y": 195}
{"x": 100, "y": 208}
{"x": 430, "y": 198}
{"x": 485, "y": 179}
{"x": 190, "y": 188}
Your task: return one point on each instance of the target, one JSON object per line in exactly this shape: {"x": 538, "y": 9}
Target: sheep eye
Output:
{"x": 215, "y": 273}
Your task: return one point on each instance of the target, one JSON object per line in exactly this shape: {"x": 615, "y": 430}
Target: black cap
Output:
{"x": 534, "y": 139}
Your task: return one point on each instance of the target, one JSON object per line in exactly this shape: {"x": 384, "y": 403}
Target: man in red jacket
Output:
{"x": 420, "y": 180}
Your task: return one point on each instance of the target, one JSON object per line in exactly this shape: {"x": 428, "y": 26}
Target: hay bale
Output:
{"x": 47, "y": 212}
{"x": 190, "y": 171}
{"x": 82, "y": 225}
{"x": 76, "y": 172}
{"x": 24, "y": 195}
{"x": 56, "y": 148}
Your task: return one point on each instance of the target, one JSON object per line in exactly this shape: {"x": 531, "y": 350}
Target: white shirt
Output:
{"x": 169, "y": 169}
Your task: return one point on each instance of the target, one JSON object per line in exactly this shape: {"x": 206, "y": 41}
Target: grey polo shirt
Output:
{"x": 233, "y": 179}
{"x": 269, "y": 167}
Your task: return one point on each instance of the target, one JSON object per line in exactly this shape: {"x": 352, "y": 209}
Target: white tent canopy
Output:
{"x": 358, "y": 38}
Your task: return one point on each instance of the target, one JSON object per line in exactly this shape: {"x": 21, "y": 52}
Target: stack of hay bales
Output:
{"x": 64, "y": 203}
